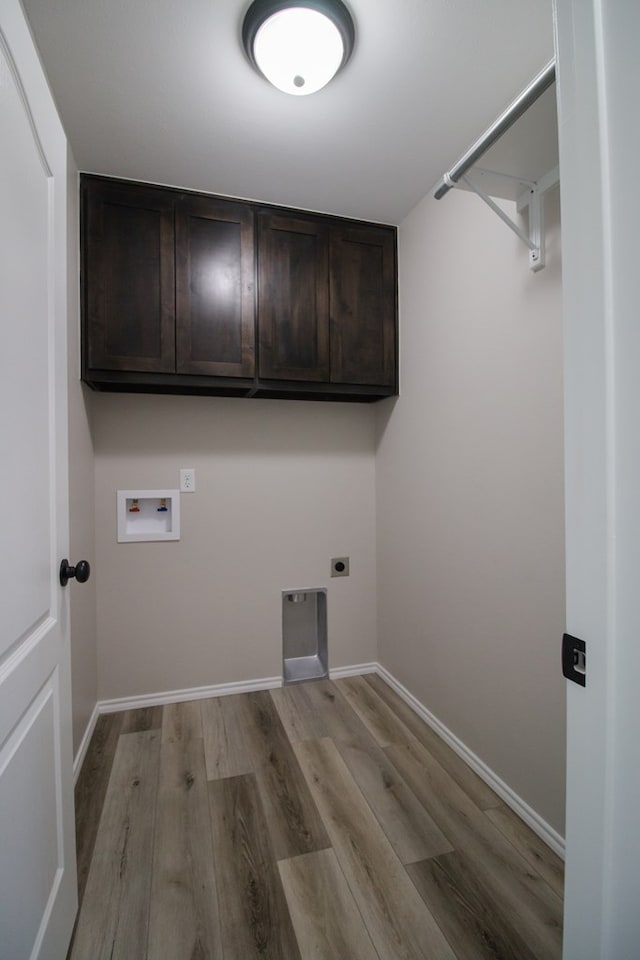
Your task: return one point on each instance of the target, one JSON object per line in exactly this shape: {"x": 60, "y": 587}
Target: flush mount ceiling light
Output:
{"x": 298, "y": 46}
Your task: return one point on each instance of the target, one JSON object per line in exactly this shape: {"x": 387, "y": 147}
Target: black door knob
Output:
{"x": 81, "y": 572}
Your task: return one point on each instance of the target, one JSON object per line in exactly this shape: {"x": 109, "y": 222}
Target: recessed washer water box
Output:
{"x": 304, "y": 635}
{"x": 148, "y": 515}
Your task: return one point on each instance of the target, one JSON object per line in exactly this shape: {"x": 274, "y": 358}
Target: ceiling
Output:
{"x": 160, "y": 90}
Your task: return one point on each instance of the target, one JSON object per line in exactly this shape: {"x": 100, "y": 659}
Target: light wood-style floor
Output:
{"x": 322, "y": 821}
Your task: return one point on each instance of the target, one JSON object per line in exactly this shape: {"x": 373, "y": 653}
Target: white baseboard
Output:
{"x": 81, "y": 753}
{"x": 539, "y": 826}
{"x": 550, "y": 836}
{"x": 357, "y": 668}
{"x": 191, "y": 693}
{"x": 216, "y": 690}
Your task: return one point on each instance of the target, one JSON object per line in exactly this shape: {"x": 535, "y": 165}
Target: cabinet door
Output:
{"x": 363, "y": 306}
{"x": 128, "y": 277}
{"x": 214, "y": 288}
{"x": 293, "y": 298}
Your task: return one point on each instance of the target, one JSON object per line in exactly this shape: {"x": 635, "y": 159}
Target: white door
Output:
{"x": 599, "y": 127}
{"x": 37, "y": 849}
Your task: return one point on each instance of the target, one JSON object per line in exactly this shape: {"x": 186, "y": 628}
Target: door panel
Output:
{"x": 130, "y": 303}
{"x": 214, "y": 292}
{"x": 29, "y": 768}
{"x": 37, "y": 866}
{"x": 24, "y": 201}
{"x": 362, "y": 306}
{"x": 293, "y": 298}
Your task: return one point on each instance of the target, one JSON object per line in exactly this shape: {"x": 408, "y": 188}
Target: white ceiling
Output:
{"x": 160, "y": 90}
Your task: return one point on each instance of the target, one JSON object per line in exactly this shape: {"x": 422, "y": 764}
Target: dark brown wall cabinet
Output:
{"x": 214, "y": 288}
{"x": 129, "y": 279}
{"x": 363, "y": 306}
{"x": 293, "y": 298}
{"x": 185, "y": 293}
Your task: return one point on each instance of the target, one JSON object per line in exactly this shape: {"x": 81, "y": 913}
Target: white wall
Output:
{"x": 84, "y": 682}
{"x": 282, "y": 486}
{"x": 470, "y": 493}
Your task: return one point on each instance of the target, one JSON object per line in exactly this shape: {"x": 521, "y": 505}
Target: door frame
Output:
{"x": 598, "y": 87}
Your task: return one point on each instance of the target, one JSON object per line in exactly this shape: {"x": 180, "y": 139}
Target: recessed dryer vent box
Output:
{"x": 148, "y": 515}
{"x": 304, "y": 635}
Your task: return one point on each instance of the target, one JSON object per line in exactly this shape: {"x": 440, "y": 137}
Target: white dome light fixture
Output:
{"x": 298, "y": 45}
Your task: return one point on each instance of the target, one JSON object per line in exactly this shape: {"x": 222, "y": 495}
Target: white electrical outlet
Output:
{"x": 187, "y": 480}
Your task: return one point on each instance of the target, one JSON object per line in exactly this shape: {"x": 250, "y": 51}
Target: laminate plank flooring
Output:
{"x": 502, "y": 868}
{"x": 381, "y": 721}
{"x": 112, "y": 924}
{"x": 253, "y": 727}
{"x": 316, "y": 710}
{"x": 320, "y": 821}
{"x": 182, "y": 721}
{"x": 310, "y": 711}
{"x": 183, "y": 917}
{"x": 91, "y": 788}
{"x": 481, "y": 794}
{"x": 226, "y": 749}
{"x": 146, "y": 718}
{"x": 472, "y": 921}
{"x": 413, "y": 834}
{"x": 393, "y": 912}
{"x": 254, "y": 914}
{"x": 542, "y": 859}
{"x": 325, "y": 916}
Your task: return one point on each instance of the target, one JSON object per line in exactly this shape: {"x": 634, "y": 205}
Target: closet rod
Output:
{"x": 513, "y": 112}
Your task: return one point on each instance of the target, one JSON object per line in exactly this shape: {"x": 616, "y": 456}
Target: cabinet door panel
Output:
{"x": 293, "y": 298}
{"x": 363, "y": 306}
{"x": 214, "y": 288}
{"x": 129, "y": 278}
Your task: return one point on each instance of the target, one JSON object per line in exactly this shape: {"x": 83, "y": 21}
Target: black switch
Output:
{"x": 574, "y": 659}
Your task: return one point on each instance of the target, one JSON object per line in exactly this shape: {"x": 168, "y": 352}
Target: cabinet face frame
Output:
{"x": 106, "y": 208}
{"x": 229, "y": 300}
{"x": 293, "y": 298}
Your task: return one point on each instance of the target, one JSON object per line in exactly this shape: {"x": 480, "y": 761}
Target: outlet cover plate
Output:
{"x": 187, "y": 480}
{"x": 340, "y": 567}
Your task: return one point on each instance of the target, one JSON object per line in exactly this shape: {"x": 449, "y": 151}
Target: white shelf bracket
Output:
{"x": 532, "y": 198}
{"x": 499, "y": 211}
